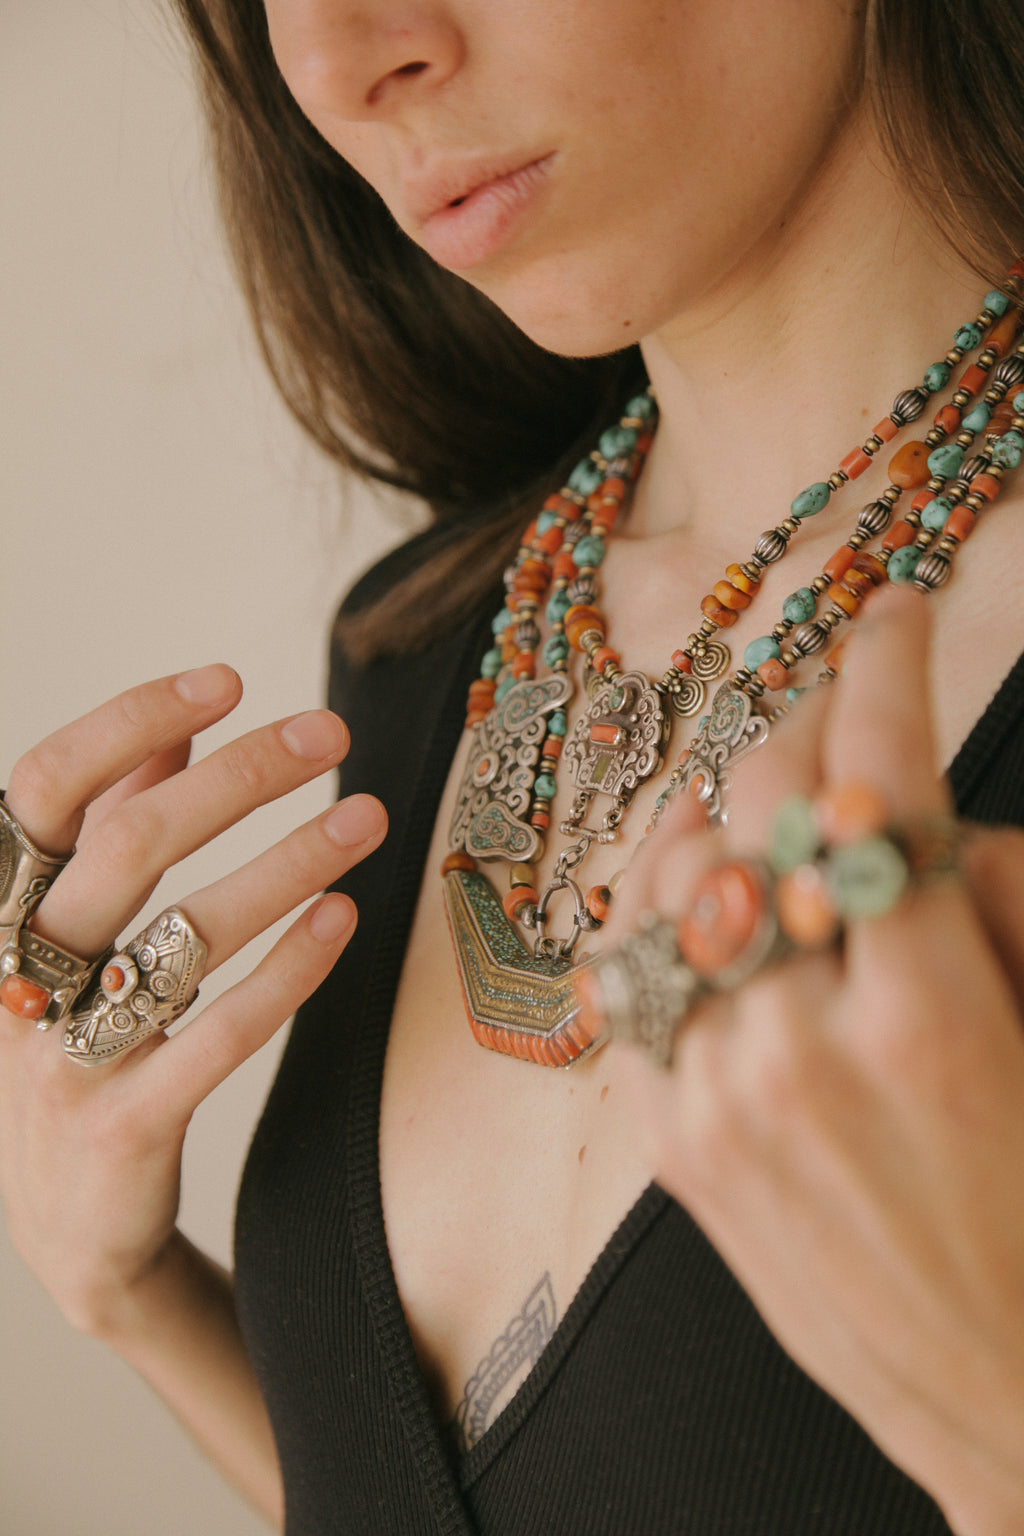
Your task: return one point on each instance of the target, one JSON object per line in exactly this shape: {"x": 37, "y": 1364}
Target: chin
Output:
{"x": 569, "y": 316}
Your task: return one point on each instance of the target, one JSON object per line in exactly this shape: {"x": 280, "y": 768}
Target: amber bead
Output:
{"x": 948, "y": 419}
{"x": 580, "y": 620}
{"x": 517, "y": 898}
{"x": 847, "y": 812}
{"x": 973, "y": 378}
{"x": 1004, "y": 333}
{"x": 908, "y": 466}
{"x": 739, "y": 578}
{"x": 899, "y": 534}
{"x": 604, "y": 656}
{"x": 886, "y": 429}
{"x": 959, "y": 524}
{"x": 855, "y": 463}
{"x": 730, "y": 596}
{"x": 726, "y": 913}
{"x": 774, "y": 674}
{"x": 871, "y": 567}
{"x": 459, "y": 860}
{"x": 524, "y": 665}
{"x": 804, "y": 908}
{"x": 482, "y": 689}
{"x": 858, "y": 583}
{"x": 843, "y": 598}
{"x": 986, "y": 486}
{"x": 712, "y": 609}
{"x": 599, "y": 900}
{"x": 22, "y": 997}
{"x": 509, "y": 650}
{"x": 833, "y": 659}
{"x": 837, "y": 565}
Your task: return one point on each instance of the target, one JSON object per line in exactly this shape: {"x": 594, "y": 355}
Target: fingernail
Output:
{"x": 354, "y": 821}
{"x": 206, "y": 685}
{"x": 317, "y": 734}
{"x": 330, "y": 919}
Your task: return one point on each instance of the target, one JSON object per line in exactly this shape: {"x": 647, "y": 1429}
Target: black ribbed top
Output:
{"x": 662, "y": 1406}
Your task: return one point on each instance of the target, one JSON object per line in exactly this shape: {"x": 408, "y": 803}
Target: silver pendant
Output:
{"x": 490, "y": 817}
{"x": 616, "y": 745}
{"x": 727, "y": 734}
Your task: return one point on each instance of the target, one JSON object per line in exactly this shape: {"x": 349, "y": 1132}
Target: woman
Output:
{"x": 547, "y": 1341}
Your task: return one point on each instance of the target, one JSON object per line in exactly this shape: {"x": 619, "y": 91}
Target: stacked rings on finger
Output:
{"x": 829, "y": 861}
{"x": 38, "y": 979}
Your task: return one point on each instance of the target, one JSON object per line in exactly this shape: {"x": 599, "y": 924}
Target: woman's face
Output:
{"x": 595, "y": 167}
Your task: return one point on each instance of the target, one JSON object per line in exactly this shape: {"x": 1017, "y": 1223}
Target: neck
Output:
{"x": 768, "y": 379}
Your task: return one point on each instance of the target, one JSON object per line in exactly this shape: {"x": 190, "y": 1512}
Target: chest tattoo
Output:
{"x": 503, "y": 1370}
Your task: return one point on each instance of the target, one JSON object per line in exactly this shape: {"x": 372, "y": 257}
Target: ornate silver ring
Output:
{"x": 38, "y": 979}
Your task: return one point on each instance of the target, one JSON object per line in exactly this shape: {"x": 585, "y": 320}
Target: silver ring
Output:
{"x": 38, "y": 980}
{"x": 141, "y": 989}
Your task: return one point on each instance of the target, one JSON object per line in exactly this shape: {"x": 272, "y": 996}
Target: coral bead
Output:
{"x": 599, "y": 900}
{"x": 855, "y": 463}
{"x": 23, "y": 998}
{"x": 837, "y": 565}
{"x": 457, "y": 860}
{"x": 774, "y": 674}
{"x": 960, "y": 523}
{"x": 516, "y": 899}
{"x": 604, "y": 657}
{"x": 909, "y": 465}
{"x": 727, "y": 911}
{"x": 1003, "y": 334}
{"x": 973, "y": 378}
{"x": 886, "y": 429}
{"x": 804, "y": 907}
{"x": 847, "y": 812}
{"x": 986, "y": 486}
{"x": 898, "y": 535}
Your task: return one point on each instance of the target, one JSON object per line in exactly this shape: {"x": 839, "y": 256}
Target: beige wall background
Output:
{"x": 158, "y": 510}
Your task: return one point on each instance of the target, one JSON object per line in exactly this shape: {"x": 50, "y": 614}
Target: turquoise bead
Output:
{"x": 558, "y": 606}
{"x": 556, "y": 649}
{"x": 1018, "y": 403}
{"x": 903, "y": 563}
{"x": 589, "y": 550}
{"x": 936, "y": 377}
{"x": 490, "y": 666}
{"x": 546, "y": 520}
{"x": 762, "y": 649}
{"x": 642, "y": 406}
{"x": 935, "y": 513}
{"x": 503, "y": 687}
{"x": 968, "y": 337}
{"x": 997, "y": 303}
{"x": 794, "y": 838}
{"x": 866, "y": 879}
{"x": 1007, "y": 450}
{"x": 544, "y": 787}
{"x": 501, "y": 621}
{"x": 792, "y": 694}
{"x": 558, "y": 725}
{"x": 616, "y": 441}
{"x": 978, "y": 417}
{"x": 812, "y": 500}
{"x": 799, "y": 606}
{"x": 586, "y": 477}
{"x": 946, "y": 460}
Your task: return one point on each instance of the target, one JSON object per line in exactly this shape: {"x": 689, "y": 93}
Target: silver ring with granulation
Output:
{"x": 39, "y": 980}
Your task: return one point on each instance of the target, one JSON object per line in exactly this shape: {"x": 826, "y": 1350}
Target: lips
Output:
{"x": 466, "y": 214}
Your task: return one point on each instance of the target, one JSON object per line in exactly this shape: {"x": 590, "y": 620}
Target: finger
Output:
{"x": 244, "y": 1018}
{"x": 789, "y": 764}
{"x": 880, "y": 728}
{"x": 993, "y": 861}
{"x": 233, "y": 910}
{"x": 49, "y": 788}
{"x": 108, "y": 881}
{"x": 162, "y": 765}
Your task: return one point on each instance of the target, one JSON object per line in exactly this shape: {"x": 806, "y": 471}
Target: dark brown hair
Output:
{"x": 406, "y": 374}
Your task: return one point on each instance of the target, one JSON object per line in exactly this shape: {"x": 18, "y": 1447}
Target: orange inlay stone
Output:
{"x": 1004, "y": 333}
{"x": 847, "y": 813}
{"x": 898, "y": 535}
{"x": 886, "y": 429}
{"x": 855, "y": 463}
{"x": 948, "y": 419}
{"x": 727, "y": 910}
{"x": 113, "y": 979}
{"x": 608, "y": 735}
{"x": 843, "y": 598}
{"x": 871, "y": 567}
{"x": 712, "y": 609}
{"x": 837, "y": 565}
{"x": 599, "y": 900}
{"x": 740, "y": 579}
{"x": 516, "y": 899}
{"x": 805, "y": 912}
{"x": 959, "y": 524}
{"x": 987, "y": 486}
{"x": 682, "y": 662}
{"x": 459, "y": 860}
{"x": 774, "y": 674}
{"x": 730, "y": 596}
{"x": 604, "y": 656}
{"x": 973, "y": 378}
{"x": 908, "y": 466}
{"x": 23, "y": 998}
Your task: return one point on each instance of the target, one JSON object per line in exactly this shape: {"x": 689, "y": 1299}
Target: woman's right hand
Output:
{"x": 90, "y": 1159}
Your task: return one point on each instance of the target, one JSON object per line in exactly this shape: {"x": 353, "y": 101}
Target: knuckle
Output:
{"x": 131, "y": 835}
{"x": 37, "y": 781}
{"x": 245, "y": 766}
{"x": 134, "y": 711}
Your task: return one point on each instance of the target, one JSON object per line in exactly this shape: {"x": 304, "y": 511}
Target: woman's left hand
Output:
{"x": 848, "y": 1127}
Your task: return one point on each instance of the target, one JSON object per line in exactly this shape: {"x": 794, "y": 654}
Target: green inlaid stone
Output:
{"x": 501, "y": 621}
{"x": 616, "y": 441}
{"x": 616, "y": 698}
{"x": 903, "y": 563}
{"x": 799, "y": 606}
{"x": 978, "y": 417}
{"x": 794, "y": 838}
{"x": 589, "y": 550}
{"x": 968, "y": 337}
{"x": 558, "y": 606}
{"x": 558, "y": 724}
{"x": 997, "y": 302}
{"x": 586, "y": 477}
{"x": 936, "y": 377}
{"x": 1007, "y": 450}
{"x": 761, "y": 649}
{"x": 546, "y": 520}
{"x": 544, "y": 787}
{"x": 934, "y": 515}
{"x": 866, "y": 879}
{"x": 490, "y": 666}
{"x": 811, "y": 500}
{"x": 642, "y": 406}
{"x": 503, "y": 688}
{"x": 946, "y": 460}
{"x": 555, "y": 649}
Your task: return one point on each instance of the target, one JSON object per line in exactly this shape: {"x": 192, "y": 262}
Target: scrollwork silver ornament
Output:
{"x": 615, "y": 746}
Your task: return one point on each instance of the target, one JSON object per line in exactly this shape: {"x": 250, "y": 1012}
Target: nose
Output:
{"x": 360, "y": 59}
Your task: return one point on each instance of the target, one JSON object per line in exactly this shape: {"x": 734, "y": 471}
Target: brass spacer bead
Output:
{"x": 858, "y": 538}
{"x": 891, "y": 494}
{"x": 837, "y": 479}
{"x": 819, "y": 584}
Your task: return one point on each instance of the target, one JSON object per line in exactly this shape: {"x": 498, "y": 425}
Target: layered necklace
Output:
{"x": 517, "y": 977}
